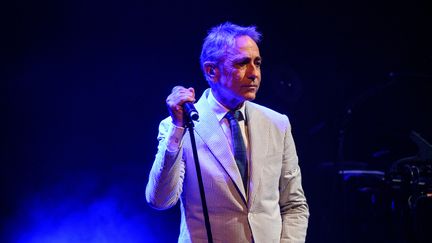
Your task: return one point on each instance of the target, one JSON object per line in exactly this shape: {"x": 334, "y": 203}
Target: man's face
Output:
{"x": 240, "y": 73}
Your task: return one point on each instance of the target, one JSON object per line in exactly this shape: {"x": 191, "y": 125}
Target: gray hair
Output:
{"x": 222, "y": 37}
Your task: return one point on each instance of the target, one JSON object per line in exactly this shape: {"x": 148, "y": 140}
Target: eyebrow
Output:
{"x": 244, "y": 58}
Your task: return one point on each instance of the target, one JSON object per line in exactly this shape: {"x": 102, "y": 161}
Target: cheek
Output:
{"x": 237, "y": 76}
{"x": 229, "y": 74}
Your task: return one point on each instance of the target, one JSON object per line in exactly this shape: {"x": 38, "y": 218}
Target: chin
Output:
{"x": 249, "y": 97}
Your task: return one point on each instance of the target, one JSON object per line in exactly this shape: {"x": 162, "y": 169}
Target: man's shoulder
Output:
{"x": 265, "y": 112}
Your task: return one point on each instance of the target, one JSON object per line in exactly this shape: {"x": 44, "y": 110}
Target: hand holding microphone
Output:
{"x": 180, "y": 103}
{"x": 190, "y": 110}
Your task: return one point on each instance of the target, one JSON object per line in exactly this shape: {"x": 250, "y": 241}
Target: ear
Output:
{"x": 211, "y": 71}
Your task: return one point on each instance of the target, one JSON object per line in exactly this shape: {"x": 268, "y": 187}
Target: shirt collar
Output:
{"x": 218, "y": 109}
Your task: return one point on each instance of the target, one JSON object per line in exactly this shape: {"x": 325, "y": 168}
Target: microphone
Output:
{"x": 190, "y": 110}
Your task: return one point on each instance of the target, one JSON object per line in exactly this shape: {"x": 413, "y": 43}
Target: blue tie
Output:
{"x": 238, "y": 144}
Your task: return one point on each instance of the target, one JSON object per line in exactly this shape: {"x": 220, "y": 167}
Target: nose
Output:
{"x": 253, "y": 72}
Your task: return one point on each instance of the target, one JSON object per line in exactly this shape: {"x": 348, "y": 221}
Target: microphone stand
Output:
{"x": 190, "y": 125}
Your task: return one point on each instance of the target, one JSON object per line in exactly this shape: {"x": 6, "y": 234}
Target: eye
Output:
{"x": 258, "y": 63}
{"x": 242, "y": 63}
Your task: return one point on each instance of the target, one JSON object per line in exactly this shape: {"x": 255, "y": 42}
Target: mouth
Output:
{"x": 250, "y": 87}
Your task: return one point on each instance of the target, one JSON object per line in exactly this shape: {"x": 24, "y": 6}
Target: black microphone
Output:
{"x": 190, "y": 110}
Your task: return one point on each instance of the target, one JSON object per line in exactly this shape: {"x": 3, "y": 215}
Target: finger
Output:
{"x": 192, "y": 90}
{"x": 176, "y": 88}
{"x": 184, "y": 94}
{"x": 185, "y": 98}
{"x": 174, "y": 100}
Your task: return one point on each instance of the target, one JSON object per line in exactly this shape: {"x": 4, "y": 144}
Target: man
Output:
{"x": 249, "y": 165}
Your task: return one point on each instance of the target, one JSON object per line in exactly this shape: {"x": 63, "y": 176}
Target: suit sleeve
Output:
{"x": 167, "y": 173}
{"x": 293, "y": 205}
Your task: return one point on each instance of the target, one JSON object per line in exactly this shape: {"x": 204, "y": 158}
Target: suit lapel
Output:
{"x": 211, "y": 133}
{"x": 259, "y": 133}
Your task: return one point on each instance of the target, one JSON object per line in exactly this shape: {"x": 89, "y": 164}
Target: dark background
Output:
{"x": 83, "y": 91}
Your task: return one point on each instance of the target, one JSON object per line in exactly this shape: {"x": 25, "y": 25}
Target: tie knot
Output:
{"x": 234, "y": 115}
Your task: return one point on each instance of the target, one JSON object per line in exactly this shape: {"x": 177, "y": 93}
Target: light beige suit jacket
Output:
{"x": 275, "y": 209}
